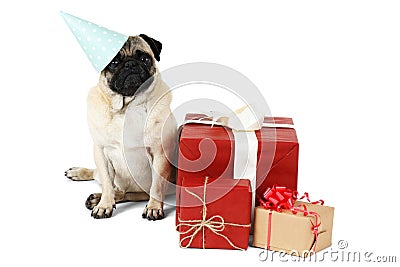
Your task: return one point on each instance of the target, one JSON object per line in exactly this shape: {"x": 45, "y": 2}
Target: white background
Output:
{"x": 333, "y": 66}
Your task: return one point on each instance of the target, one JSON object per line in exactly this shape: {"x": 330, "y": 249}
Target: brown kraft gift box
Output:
{"x": 293, "y": 233}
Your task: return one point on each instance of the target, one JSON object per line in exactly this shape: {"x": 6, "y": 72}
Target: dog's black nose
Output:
{"x": 132, "y": 66}
{"x": 129, "y": 64}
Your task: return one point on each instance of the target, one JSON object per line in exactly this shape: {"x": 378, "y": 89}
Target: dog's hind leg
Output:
{"x": 134, "y": 196}
{"x": 120, "y": 197}
{"x": 80, "y": 174}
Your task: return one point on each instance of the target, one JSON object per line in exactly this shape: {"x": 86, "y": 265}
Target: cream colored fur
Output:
{"x": 148, "y": 141}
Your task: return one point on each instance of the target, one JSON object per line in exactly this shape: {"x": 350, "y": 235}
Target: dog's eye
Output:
{"x": 145, "y": 59}
{"x": 113, "y": 64}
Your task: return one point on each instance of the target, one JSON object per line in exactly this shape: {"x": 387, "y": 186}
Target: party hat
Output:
{"x": 101, "y": 45}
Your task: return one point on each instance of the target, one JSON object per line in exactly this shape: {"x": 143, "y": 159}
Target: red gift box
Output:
{"x": 206, "y": 150}
{"x": 214, "y": 213}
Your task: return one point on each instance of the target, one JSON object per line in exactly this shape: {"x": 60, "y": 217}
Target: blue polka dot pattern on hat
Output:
{"x": 100, "y": 44}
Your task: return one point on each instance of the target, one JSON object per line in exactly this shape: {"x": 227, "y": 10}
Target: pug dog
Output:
{"x": 131, "y": 81}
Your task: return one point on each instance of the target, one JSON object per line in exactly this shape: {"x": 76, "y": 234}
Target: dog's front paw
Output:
{"x": 153, "y": 210}
{"x": 103, "y": 210}
{"x": 92, "y": 200}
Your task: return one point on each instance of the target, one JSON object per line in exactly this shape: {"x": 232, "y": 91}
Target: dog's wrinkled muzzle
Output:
{"x": 130, "y": 78}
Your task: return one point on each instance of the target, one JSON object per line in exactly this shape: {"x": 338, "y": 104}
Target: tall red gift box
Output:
{"x": 214, "y": 213}
{"x": 206, "y": 150}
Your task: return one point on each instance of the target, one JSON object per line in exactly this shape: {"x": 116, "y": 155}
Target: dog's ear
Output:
{"x": 155, "y": 45}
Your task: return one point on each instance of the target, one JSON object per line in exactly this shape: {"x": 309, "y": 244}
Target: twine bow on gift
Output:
{"x": 280, "y": 198}
{"x": 215, "y": 223}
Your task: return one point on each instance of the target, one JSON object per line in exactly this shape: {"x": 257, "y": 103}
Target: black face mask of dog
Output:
{"x": 132, "y": 69}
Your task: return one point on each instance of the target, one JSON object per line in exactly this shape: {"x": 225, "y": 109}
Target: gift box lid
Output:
{"x": 272, "y": 134}
{"x": 217, "y": 188}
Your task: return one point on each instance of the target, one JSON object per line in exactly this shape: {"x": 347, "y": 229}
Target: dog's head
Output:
{"x": 133, "y": 67}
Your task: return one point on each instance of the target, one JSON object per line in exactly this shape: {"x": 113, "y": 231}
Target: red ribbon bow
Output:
{"x": 280, "y": 198}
